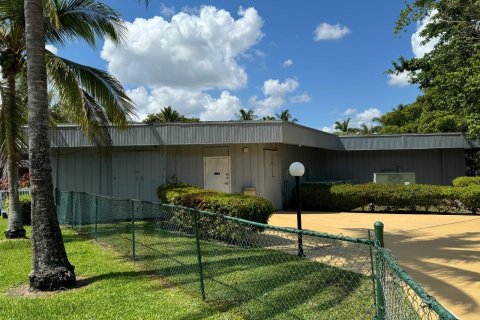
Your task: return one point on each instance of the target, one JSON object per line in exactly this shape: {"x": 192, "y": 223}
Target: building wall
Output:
{"x": 435, "y": 166}
{"x": 137, "y": 172}
{"x": 121, "y": 173}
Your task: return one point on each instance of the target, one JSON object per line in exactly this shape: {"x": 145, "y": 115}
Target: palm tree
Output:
{"x": 285, "y": 115}
{"x": 58, "y": 21}
{"x": 167, "y": 114}
{"x": 267, "y": 118}
{"x": 12, "y": 118}
{"x": 343, "y": 126}
{"x": 246, "y": 115}
{"x": 366, "y": 130}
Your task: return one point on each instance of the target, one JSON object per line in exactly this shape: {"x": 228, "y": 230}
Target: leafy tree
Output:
{"x": 168, "y": 114}
{"x": 246, "y": 115}
{"x": 449, "y": 75}
{"x": 285, "y": 115}
{"x": 93, "y": 99}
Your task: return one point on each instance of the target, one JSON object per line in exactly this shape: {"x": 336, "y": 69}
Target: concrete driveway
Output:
{"x": 441, "y": 252}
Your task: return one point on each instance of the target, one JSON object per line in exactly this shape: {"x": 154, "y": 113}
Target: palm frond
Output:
{"x": 11, "y": 10}
{"x": 84, "y": 19}
{"x": 93, "y": 97}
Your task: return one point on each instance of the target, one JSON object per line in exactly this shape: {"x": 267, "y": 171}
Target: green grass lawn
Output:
{"x": 257, "y": 282}
{"x": 240, "y": 283}
{"x": 117, "y": 289}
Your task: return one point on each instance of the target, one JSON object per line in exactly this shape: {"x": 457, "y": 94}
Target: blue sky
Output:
{"x": 323, "y": 60}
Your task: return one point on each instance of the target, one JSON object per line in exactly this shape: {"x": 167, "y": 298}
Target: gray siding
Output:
{"x": 438, "y": 166}
{"x": 136, "y": 172}
{"x": 132, "y": 174}
{"x": 247, "y": 168}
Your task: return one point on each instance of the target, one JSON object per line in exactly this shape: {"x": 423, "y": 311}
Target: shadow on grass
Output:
{"x": 260, "y": 282}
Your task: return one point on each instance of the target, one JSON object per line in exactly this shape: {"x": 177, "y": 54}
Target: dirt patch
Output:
{"x": 23, "y": 291}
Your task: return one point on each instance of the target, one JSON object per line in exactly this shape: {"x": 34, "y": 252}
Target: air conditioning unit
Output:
{"x": 404, "y": 178}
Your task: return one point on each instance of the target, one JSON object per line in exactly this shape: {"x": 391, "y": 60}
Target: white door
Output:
{"x": 273, "y": 178}
{"x": 217, "y": 173}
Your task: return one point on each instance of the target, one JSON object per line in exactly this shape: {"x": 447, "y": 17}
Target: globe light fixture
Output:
{"x": 297, "y": 170}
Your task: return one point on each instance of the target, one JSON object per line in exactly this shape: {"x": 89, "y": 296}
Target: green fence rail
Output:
{"x": 250, "y": 267}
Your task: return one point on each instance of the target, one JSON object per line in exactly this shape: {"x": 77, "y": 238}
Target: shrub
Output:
{"x": 315, "y": 196}
{"x": 466, "y": 181}
{"x": 346, "y": 197}
{"x": 237, "y": 205}
{"x": 418, "y": 197}
{"x": 470, "y": 197}
{"x": 25, "y": 208}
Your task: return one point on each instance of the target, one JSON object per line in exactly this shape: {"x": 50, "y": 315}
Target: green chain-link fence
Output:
{"x": 255, "y": 269}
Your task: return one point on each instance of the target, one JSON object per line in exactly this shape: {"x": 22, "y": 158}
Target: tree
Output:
{"x": 12, "y": 119}
{"x": 51, "y": 269}
{"x": 168, "y": 114}
{"x": 246, "y": 115}
{"x": 268, "y": 118}
{"x": 449, "y": 75}
{"x": 344, "y": 126}
{"x": 285, "y": 115}
{"x": 366, "y": 130}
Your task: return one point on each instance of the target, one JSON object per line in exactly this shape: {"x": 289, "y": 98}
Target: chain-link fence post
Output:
{"x": 199, "y": 254}
{"x": 96, "y": 217}
{"x": 70, "y": 209}
{"x": 371, "y": 245}
{"x": 132, "y": 207}
{"x": 379, "y": 242}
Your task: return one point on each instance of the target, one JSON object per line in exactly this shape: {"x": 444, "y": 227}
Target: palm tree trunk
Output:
{"x": 15, "y": 228}
{"x": 51, "y": 269}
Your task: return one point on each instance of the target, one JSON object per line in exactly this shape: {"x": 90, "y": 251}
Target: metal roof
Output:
{"x": 407, "y": 142}
{"x": 244, "y": 132}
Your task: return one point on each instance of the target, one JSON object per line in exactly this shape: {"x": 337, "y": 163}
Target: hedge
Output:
{"x": 380, "y": 197}
{"x": 237, "y": 205}
{"x": 25, "y": 208}
{"x": 466, "y": 181}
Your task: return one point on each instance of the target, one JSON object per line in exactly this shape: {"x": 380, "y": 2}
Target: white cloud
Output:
{"x": 358, "y": 118}
{"x": 301, "y": 98}
{"x": 400, "y": 79}
{"x": 167, "y": 11}
{"x": 287, "y": 63}
{"x": 275, "y": 93}
{"x": 419, "y": 49}
{"x": 51, "y": 48}
{"x": 325, "y": 31}
{"x": 330, "y": 129}
{"x": 223, "y": 108}
{"x": 191, "y": 51}
{"x": 189, "y": 102}
{"x": 185, "y": 101}
{"x": 175, "y": 63}
{"x": 350, "y": 111}
{"x": 367, "y": 116}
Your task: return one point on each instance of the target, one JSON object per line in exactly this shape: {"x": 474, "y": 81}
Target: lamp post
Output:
{"x": 297, "y": 170}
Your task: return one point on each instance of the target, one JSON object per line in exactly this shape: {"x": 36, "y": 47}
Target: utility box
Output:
{"x": 249, "y": 191}
{"x": 404, "y": 178}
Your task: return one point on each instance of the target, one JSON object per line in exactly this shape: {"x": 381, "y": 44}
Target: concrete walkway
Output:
{"x": 441, "y": 252}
